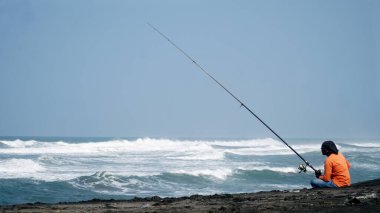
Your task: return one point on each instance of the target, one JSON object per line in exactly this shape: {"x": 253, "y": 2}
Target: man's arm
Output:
{"x": 348, "y": 164}
{"x": 328, "y": 171}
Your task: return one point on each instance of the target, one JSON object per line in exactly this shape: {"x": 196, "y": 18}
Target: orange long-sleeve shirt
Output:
{"x": 336, "y": 169}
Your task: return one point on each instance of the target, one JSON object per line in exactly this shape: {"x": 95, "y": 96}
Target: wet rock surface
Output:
{"x": 360, "y": 197}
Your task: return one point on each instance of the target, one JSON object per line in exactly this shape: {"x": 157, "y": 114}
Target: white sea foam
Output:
{"x": 368, "y": 148}
{"x": 278, "y": 169}
{"x": 269, "y": 168}
{"x": 187, "y": 150}
{"x": 366, "y": 145}
{"x": 116, "y": 146}
{"x": 19, "y": 143}
{"x": 141, "y": 157}
{"x": 279, "y": 149}
{"x": 17, "y": 168}
{"x": 221, "y": 173}
{"x": 61, "y": 160}
{"x": 224, "y": 173}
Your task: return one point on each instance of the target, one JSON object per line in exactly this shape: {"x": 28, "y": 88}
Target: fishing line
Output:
{"x": 302, "y": 168}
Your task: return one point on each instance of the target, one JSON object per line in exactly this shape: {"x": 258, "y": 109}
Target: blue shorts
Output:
{"x": 318, "y": 183}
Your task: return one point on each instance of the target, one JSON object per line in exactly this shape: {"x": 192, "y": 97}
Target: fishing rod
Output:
{"x": 301, "y": 167}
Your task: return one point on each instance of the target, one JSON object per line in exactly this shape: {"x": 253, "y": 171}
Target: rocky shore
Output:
{"x": 360, "y": 197}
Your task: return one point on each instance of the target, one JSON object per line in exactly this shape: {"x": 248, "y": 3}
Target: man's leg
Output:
{"x": 318, "y": 183}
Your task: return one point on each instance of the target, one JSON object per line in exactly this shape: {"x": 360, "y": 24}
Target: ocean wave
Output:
{"x": 225, "y": 173}
{"x": 273, "y": 169}
{"x": 24, "y": 168}
{"x": 183, "y": 181}
{"x": 100, "y": 182}
{"x": 165, "y": 167}
{"x": 364, "y": 147}
{"x": 3, "y": 145}
{"x": 115, "y": 146}
{"x": 173, "y": 149}
{"x": 366, "y": 166}
{"x": 219, "y": 174}
{"x": 365, "y": 144}
{"x": 216, "y": 159}
{"x": 19, "y": 143}
{"x": 187, "y": 181}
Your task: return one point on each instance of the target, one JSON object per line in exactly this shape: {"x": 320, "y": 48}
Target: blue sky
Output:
{"x": 95, "y": 68}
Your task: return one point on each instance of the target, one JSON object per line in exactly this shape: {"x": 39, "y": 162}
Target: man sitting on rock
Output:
{"x": 336, "y": 169}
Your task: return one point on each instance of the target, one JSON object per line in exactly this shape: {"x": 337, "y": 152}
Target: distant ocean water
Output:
{"x": 54, "y": 170}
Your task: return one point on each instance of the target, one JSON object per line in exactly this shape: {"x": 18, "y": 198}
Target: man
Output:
{"x": 336, "y": 169}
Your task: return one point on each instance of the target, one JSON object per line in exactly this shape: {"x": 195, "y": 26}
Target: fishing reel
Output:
{"x": 302, "y": 168}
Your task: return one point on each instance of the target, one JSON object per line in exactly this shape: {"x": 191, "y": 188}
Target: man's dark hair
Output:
{"x": 330, "y": 147}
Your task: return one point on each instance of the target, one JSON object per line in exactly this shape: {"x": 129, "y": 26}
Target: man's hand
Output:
{"x": 318, "y": 173}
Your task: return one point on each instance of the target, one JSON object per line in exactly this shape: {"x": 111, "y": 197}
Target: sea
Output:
{"x": 62, "y": 169}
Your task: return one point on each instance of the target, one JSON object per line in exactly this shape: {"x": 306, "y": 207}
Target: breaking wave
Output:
{"x": 121, "y": 168}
